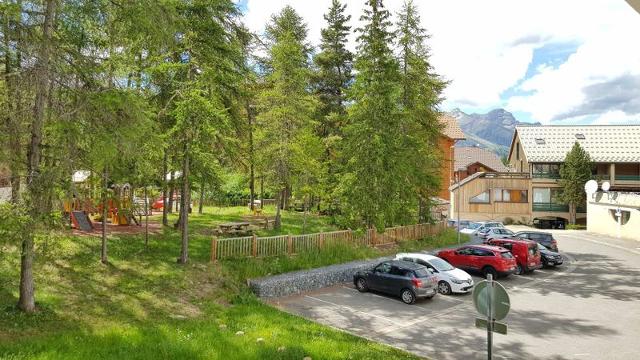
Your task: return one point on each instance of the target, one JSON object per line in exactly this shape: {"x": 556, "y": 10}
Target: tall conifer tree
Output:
{"x": 421, "y": 94}
{"x": 374, "y": 183}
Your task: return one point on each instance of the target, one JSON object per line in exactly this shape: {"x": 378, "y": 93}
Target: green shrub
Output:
{"x": 576, "y": 227}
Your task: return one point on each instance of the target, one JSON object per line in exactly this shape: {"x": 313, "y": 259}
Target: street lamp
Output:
{"x": 458, "y": 205}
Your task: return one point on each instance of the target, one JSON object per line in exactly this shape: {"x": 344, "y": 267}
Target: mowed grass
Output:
{"x": 145, "y": 306}
{"x": 293, "y": 222}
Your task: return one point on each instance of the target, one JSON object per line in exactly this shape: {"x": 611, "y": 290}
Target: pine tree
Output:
{"x": 374, "y": 182}
{"x": 331, "y": 81}
{"x": 421, "y": 94}
{"x": 285, "y": 123}
{"x": 574, "y": 173}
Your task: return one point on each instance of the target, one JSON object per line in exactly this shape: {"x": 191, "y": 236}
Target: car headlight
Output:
{"x": 457, "y": 281}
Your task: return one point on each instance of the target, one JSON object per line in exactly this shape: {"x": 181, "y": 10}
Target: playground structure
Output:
{"x": 122, "y": 208}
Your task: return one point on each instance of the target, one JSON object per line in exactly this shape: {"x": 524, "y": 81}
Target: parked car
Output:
{"x": 454, "y": 223}
{"x": 525, "y": 251}
{"x": 471, "y": 228}
{"x": 400, "y": 278}
{"x": 543, "y": 238}
{"x": 548, "y": 257}
{"x": 499, "y": 233}
{"x": 485, "y": 259}
{"x": 484, "y": 229}
{"x": 450, "y": 279}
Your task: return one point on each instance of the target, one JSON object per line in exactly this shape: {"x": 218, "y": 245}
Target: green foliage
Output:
{"x": 574, "y": 173}
{"x": 576, "y": 227}
{"x": 390, "y": 137}
{"x": 286, "y": 145}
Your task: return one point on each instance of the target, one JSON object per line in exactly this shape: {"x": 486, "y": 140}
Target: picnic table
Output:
{"x": 234, "y": 227}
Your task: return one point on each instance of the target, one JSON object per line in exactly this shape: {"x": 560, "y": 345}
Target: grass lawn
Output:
{"x": 293, "y": 222}
{"x": 145, "y": 306}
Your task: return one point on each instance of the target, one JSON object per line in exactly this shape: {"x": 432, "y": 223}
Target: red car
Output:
{"x": 486, "y": 259}
{"x": 525, "y": 251}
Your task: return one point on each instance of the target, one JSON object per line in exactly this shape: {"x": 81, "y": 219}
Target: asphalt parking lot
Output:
{"x": 589, "y": 308}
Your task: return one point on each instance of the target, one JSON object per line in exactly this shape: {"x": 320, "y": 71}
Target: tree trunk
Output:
{"x": 572, "y": 214}
{"x": 252, "y": 195}
{"x": 26, "y": 302}
{"x": 304, "y": 216}
{"x": 103, "y": 252}
{"x": 165, "y": 203}
{"x": 276, "y": 223}
{"x": 262, "y": 192}
{"x": 202, "y": 188}
{"x": 146, "y": 218}
{"x": 171, "y": 191}
{"x": 184, "y": 207}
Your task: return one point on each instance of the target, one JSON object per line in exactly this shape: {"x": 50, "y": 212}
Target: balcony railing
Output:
{"x": 550, "y": 207}
{"x": 557, "y": 208}
{"x": 600, "y": 176}
{"x": 628, "y": 177}
{"x": 546, "y": 176}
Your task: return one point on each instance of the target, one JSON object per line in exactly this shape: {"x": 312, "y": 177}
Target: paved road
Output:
{"x": 588, "y": 309}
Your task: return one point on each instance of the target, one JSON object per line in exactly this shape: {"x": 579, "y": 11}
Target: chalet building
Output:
{"x": 450, "y": 134}
{"x": 470, "y": 160}
{"x": 531, "y": 193}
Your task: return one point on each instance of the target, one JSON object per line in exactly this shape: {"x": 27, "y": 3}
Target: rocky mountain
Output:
{"x": 493, "y": 130}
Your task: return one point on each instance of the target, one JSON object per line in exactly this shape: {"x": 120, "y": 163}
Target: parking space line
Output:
{"x": 354, "y": 310}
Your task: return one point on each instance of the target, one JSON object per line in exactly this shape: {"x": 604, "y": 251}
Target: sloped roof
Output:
{"x": 465, "y": 156}
{"x": 451, "y": 127}
{"x": 604, "y": 143}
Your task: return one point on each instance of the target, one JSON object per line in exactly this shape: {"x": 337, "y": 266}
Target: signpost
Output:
{"x": 491, "y": 300}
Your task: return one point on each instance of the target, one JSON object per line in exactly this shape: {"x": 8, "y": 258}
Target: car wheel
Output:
{"x": 408, "y": 297}
{"x": 489, "y": 270}
{"x": 519, "y": 270}
{"x": 361, "y": 285}
{"x": 444, "y": 288}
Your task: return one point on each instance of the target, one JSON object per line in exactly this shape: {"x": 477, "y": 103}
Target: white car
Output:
{"x": 471, "y": 228}
{"x": 450, "y": 279}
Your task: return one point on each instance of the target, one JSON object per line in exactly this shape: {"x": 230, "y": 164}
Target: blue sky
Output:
{"x": 554, "y": 62}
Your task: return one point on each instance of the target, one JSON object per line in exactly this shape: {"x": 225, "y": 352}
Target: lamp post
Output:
{"x": 458, "y": 202}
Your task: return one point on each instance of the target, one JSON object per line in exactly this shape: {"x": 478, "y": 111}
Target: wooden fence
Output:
{"x": 295, "y": 244}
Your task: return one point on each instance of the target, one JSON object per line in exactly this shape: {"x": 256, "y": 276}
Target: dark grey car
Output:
{"x": 405, "y": 279}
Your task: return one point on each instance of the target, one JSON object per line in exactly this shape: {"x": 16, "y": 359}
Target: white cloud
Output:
{"x": 486, "y": 47}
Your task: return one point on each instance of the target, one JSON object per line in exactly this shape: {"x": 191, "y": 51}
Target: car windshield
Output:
{"x": 474, "y": 226}
{"x": 541, "y": 247}
{"x": 441, "y": 265}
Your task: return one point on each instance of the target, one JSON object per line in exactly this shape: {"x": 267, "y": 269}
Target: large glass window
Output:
{"x": 546, "y": 170}
{"x": 513, "y": 196}
{"x": 482, "y": 198}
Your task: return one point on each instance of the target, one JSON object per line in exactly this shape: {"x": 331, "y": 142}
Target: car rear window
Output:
{"x": 421, "y": 273}
{"x": 506, "y": 255}
{"x": 533, "y": 249}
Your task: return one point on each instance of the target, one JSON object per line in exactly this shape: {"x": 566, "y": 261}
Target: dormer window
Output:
{"x": 540, "y": 141}
{"x": 580, "y": 136}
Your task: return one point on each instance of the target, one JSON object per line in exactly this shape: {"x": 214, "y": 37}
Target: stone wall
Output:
{"x": 300, "y": 281}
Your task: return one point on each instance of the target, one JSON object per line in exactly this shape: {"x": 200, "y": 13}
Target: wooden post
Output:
{"x": 374, "y": 238}
{"x": 321, "y": 240}
{"x": 254, "y": 245}
{"x": 214, "y": 249}
{"x": 289, "y": 245}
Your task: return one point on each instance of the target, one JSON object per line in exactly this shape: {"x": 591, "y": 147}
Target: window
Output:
{"x": 540, "y": 141}
{"x": 506, "y": 255}
{"x": 517, "y": 151}
{"x": 464, "y": 251}
{"x": 511, "y": 196}
{"x": 482, "y": 198}
{"x": 383, "y": 268}
{"x": 480, "y": 252}
{"x": 421, "y": 273}
{"x": 623, "y": 213}
{"x": 580, "y": 136}
{"x": 547, "y": 169}
{"x": 397, "y": 271}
